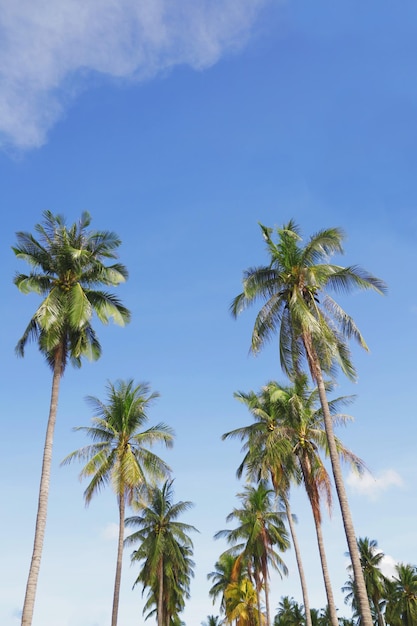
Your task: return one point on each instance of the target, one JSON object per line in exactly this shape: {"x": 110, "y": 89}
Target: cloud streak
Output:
{"x": 49, "y": 50}
{"x": 373, "y": 486}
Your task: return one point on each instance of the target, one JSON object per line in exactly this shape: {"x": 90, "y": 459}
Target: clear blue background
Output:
{"x": 311, "y": 115}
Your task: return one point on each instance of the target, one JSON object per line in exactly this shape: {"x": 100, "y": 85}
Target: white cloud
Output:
{"x": 387, "y": 566}
{"x": 373, "y": 486}
{"x": 49, "y": 49}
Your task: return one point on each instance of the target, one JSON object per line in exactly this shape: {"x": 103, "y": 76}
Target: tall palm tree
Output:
{"x": 371, "y": 557}
{"x": 294, "y": 423}
{"x": 267, "y": 453}
{"x": 402, "y": 596}
{"x": 68, "y": 265}
{"x": 260, "y": 529}
{"x": 164, "y": 550}
{"x": 120, "y": 453}
{"x": 311, "y": 326}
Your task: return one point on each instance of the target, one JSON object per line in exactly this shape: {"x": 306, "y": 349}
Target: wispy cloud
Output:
{"x": 373, "y": 486}
{"x": 49, "y": 50}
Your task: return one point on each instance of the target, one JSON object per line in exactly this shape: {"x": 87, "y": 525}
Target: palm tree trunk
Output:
{"x": 118, "y": 577}
{"x": 299, "y": 561}
{"x": 317, "y": 375}
{"x": 381, "y": 619}
{"x": 258, "y": 594}
{"x": 32, "y": 582}
{"x": 268, "y": 615}
{"x": 326, "y": 577}
{"x": 161, "y": 594}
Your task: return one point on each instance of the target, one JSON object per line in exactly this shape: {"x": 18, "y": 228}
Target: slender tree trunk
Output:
{"x": 118, "y": 577}
{"x": 326, "y": 576}
{"x": 32, "y": 582}
{"x": 268, "y": 614}
{"x": 161, "y": 594}
{"x": 258, "y": 595}
{"x": 381, "y": 619}
{"x": 299, "y": 561}
{"x": 316, "y": 373}
{"x": 314, "y": 499}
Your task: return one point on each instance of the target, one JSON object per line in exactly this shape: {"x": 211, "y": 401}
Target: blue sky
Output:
{"x": 180, "y": 127}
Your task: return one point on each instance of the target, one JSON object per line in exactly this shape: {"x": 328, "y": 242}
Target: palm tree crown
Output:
{"x": 68, "y": 264}
{"x": 165, "y": 551}
{"x": 294, "y": 288}
{"x": 402, "y": 596}
{"x": 261, "y": 529}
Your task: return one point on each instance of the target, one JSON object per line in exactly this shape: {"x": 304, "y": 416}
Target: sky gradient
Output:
{"x": 180, "y": 129}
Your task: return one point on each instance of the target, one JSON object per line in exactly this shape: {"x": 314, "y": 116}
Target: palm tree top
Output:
{"x": 68, "y": 267}
{"x": 120, "y": 451}
{"x": 294, "y": 288}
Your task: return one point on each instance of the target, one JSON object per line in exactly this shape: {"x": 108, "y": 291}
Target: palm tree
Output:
{"x": 176, "y": 588}
{"x": 212, "y": 620}
{"x": 120, "y": 453}
{"x": 261, "y": 529}
{"x": 228, "y": 570}
{"x": 293, "y": 415}
{"x": 267, "y": 453}
{"x": 351, "y": 598}
{"x": 242, "y": 604}
{"x": 402, "y": 596}
{"x": 371, "y": 557}
{"x": 302, "y": 424}
{"x": 311, "y": 326}
{"x": 67, "y": 266}
{"x": 164, "y": 551}
{"x": 289, "y": 613}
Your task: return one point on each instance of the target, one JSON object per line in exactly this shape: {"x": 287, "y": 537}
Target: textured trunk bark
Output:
{"x": 161, "y": 620}
{"x": 299, "y": 562}
{"x": 316, "y": 373}
{"x": 381, "y": 619}
{"x": 118, "y": 577}
{"x": 325, "y": 570}
{"x": 266, "y": 591}
{"x": 32, "y": 582}
{"x": 258, "y": 596}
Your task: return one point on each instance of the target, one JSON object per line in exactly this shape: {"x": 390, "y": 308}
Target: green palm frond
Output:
{"x": 66, "y": 263}
{"x": 295, "y": 303}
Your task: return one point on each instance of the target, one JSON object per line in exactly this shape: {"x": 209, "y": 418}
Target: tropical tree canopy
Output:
{"x": 289, "y": 613}
{"x": 401, "y": 608}
{"x": 242, "y": 604}
{"x": 120, "y": 454}
{"x": 68, "y": 267}
{"x": 164, "y": 552}
{"x": 295, "y": 287}
{"x": 260, "y": 530}
{"x": 312, "y": 327}
{"x": 228, "y": 569}
{"x": 376, "y": 583}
